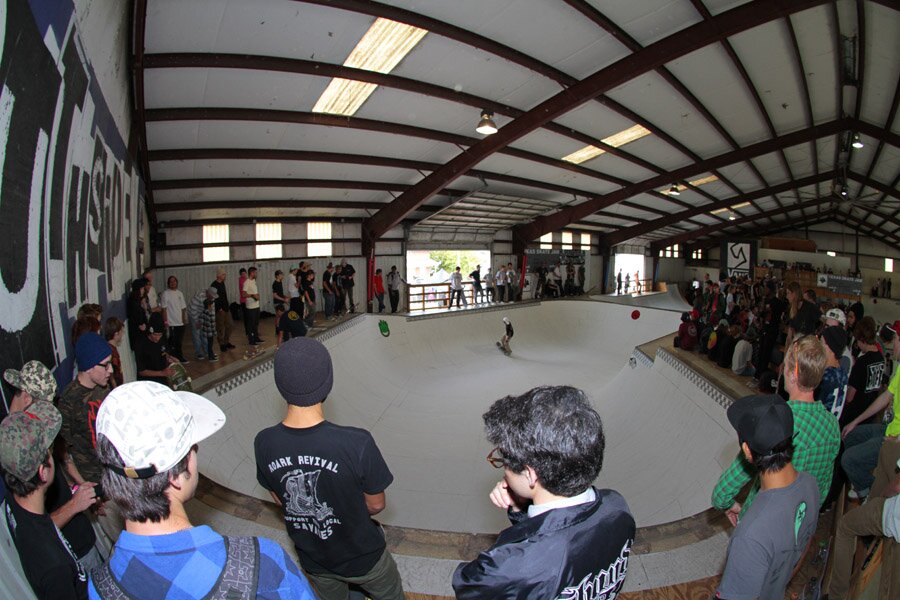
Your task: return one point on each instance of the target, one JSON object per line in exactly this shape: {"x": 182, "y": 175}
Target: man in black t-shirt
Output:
{"x": 278, "y": 296}
{"x": 347, "y": 273}
{"x": 328, "y": 291}
{"x": 48, "y": 559}
{"x": 867, "y": 373}
{"x": 150, "y": 353}
{"x": 289, "y": 323}
{"x": 329, "y": 480}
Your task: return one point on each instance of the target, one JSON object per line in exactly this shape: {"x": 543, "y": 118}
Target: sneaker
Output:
{"x": 214, "y": 358}
{"x": 854, "y": 495}
{"x": 200, "y": 357}
{"x": 184, "y": 361}
{"x": 230, "y": 346}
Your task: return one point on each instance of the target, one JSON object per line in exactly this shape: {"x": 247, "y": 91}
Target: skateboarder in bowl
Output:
{"x": 503, "y": 344}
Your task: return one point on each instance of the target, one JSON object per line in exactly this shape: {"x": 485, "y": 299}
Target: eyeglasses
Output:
{"x": 106, "y": 365}
{"x": 496, "y": 458}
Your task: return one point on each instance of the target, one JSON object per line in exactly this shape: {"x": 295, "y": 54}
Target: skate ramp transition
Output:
{"x": 421, "y": 391}
{"x": 671, "y": 299}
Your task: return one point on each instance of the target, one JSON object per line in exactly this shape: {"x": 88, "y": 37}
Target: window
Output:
{"x": 889, "y": 265}
{"x": 566, "y": 240}
{"x": 547, "y": 241}
{"x": 216, "y": 234}
{"x": 831, "y": 253}
{"x": 318, "y": 231}
{"x": 670, "y": 252}
{"x": 697, "y": 254}
{"x": 268, "y": 232}
{"x": 585, "y": 241}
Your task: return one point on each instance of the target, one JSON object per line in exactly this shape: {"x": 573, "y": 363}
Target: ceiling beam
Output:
{"x": 876, "y": 231}
{"x": 290, "y": 182}
{"x": 765, "y": 231}
{"x": 355, "y": 159}
{"x": 704, "y": 231}
{"x": 137, "y": 74}
{"x": 666, "y": 50}
{"x": 807, "y": 97}
{"x": 356, "y": 123}
{"x": 648, "y": 226}
{"x": 557, "y": 220}
{"x": 170, "y": 207}
{"x": 320, "y": 69}
{"x": 632, "y": 44}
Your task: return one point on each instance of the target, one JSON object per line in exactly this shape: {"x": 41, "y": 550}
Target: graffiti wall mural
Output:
{"x": 70, "y": 196}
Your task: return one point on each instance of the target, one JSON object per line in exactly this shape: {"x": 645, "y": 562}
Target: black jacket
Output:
{"x": 557, "y": 554}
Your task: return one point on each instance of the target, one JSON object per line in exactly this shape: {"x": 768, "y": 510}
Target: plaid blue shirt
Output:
{"x": 185, "y": 565}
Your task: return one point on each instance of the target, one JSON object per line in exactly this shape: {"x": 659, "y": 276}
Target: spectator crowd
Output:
{"x": 108, "y": 458}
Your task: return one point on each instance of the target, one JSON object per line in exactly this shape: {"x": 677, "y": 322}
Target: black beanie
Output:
{"x": 303, "y": 371}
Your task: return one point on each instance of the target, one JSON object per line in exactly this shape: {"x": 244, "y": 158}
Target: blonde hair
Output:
{"x": 806, "y": 360}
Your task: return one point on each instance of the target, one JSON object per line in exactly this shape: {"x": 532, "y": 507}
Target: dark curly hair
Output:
{"x": 553, "y": 430}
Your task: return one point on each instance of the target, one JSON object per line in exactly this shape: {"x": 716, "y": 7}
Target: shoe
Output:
{"x": 184, "y": 361}
{"x": 259, "y": 341}
{"x": 860, "y": 495}
{"x": 214, "y": 358}
{"x": 223, "y": 347}
{"x": 200, "y": 357}
{"x": 230, "y": 346}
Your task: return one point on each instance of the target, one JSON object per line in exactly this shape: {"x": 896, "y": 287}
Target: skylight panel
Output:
{"x": 615, "y": 140}
{"x": 732, "y": 207}
{"x": 381, "y": 49}
{"x": 696, "y": 182}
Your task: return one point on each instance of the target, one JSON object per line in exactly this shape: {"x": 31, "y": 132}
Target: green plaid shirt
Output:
{"x": 817, "y": 438}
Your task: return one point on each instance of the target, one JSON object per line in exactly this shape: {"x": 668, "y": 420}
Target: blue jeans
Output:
{"x": 748, "y": 371}
{"x": 329, "y": 304}
{"x": 380, "y": 298}
{"x": 861, "y": 447}
{"x": 199, "y": 340}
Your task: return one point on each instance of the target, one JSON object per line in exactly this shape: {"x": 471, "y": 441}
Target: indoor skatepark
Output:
{"x": 422, "y": 390}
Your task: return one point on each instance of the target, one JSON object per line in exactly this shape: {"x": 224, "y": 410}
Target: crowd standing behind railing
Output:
{"x": 820, "y": 367}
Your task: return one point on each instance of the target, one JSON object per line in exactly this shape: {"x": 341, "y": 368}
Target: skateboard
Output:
{"x": 180, "y": 381}
{"x": 505, "y": 351}
{"x": 253, "y": 352}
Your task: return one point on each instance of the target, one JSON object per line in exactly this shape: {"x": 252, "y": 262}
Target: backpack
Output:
{"x": 237, "y": 581}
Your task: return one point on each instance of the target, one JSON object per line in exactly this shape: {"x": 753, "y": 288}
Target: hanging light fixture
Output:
{"x": 673, "y": 191}
{"x": 732, "y": 216}
{"x": 845, "y": 190}
{"x": 857, "y": 143}
{"x": 486, "y": 125}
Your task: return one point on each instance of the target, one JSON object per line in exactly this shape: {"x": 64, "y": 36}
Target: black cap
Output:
{"x": 139, "y": 283}
{"x": 155, "y": 323}
{"x": 835, "y": 338}
{"x": 763, "y": 421}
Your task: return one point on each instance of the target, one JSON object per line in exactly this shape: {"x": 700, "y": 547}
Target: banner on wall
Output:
{"x": 840, "y": 284}
{"x": 68, "y": 190}
{"x": 738, "y": 257}
{"x": 550, "y": 258}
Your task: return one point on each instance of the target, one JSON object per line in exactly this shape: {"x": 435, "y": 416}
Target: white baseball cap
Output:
{"x": 836, "y": 314}
{"x": 153, "y": 427}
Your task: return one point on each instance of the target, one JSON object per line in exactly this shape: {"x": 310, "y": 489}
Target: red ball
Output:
{"x": 635, "y": 314}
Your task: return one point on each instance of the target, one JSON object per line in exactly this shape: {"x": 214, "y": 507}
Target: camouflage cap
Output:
{"x": 25, "y": 438}
{"x": 34, "y": 378}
